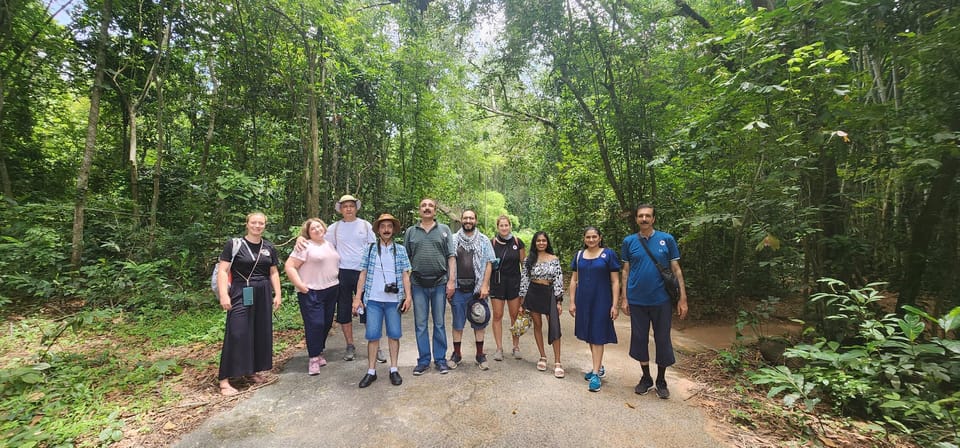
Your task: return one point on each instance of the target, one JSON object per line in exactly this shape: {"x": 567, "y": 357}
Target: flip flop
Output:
{"x": 542, "y": 364}
{"x": 558, "y": 371}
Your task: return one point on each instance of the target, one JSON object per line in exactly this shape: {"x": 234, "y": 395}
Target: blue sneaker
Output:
{"x": 442, "y": 367}
{"x": 419, "y": 369}
{"x": 603, "y": 371}
{"x": 595, "y": 383}
{"x": 588, "y": 375}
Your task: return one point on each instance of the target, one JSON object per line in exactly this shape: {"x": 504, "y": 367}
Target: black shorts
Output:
{"x": 348, "y": 286}
{"x": 504, "y": 287}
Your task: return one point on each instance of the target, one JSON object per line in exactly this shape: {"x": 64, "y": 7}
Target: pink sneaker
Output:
{"x": 314, "y": 367}
{"x": 322, "y": 362}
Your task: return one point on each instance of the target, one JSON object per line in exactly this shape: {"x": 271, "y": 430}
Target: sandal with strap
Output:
{"x": 558, "y": 371}
{"x": 542, "y": 364}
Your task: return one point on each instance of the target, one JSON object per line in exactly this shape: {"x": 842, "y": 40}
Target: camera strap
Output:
{"x": 396, "y": 268}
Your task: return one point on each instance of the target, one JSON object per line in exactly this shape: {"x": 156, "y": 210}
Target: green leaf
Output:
{"x": 951, "y": 320}
{"x": 911, "y": 326}
{"x": 935, "y": 164}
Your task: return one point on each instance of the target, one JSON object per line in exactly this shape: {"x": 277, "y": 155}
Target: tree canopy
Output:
{"x": 780, "y": 141}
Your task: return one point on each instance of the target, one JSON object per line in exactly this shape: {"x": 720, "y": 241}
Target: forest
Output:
{"x": 793, "y": 147}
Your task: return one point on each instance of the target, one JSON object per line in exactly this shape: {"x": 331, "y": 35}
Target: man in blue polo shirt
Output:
{"x": 644, "y": 298}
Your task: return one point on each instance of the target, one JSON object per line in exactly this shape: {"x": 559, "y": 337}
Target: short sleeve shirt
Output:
{"x": 320, "y": 268}
{"x": 429, "y": 251}
{"x": 253, "y": 261}
{"x": 350, "y": 239}
{"x": 644, "y": 284}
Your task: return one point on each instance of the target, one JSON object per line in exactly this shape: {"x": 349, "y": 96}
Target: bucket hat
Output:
{"x": 346, "y": 198}
{"x": 478, "y": 312}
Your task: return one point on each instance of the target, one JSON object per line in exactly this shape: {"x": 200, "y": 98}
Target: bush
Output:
{"x": 883, "y": 367}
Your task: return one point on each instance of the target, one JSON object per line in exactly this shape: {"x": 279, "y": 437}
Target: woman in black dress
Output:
{"x": 505, "y": 282}
{"x": 249, "y": 289}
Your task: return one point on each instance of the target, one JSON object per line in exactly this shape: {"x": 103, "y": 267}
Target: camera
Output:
{"x": 391, "y": 288}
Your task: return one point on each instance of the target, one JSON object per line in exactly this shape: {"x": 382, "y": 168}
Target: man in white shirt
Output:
{"x": 351, "y": 236}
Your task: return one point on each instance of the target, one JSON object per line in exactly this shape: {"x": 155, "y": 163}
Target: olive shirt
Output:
{"x": 429, "y": 251}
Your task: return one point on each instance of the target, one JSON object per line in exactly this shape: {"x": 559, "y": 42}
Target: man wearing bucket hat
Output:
{"x": 474, "y": 265}
{"x": 349, "y": 236}
{"x": 385, "y": 276}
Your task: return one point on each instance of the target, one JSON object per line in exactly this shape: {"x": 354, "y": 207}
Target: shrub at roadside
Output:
{"x": 884, "y": 367}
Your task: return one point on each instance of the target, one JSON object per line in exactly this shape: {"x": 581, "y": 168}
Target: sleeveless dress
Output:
{"x": 594, "y": 297}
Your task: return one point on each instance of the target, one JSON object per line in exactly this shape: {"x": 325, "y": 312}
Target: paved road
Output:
{"x": 510, "y": 405}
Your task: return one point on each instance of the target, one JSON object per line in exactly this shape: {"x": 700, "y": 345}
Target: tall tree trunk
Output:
{"x": 923, "y": 228}
{"x": 134, "y": 169}
{"x": 313, "y": 199}
{"x": 155, "y": 200}
{"x": 132, "y": 108}
{"x": 5, "y": 181}
{"x": 89, "y": 148}
{"x": 212, "y": 113}
{"x": 598, "y": 132}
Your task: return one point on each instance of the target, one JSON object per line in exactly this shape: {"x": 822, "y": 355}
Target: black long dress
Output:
{"x": 248, "y": 339}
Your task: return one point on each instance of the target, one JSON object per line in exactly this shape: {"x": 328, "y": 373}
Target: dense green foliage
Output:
{"x": 88, "y": 391}
{"x": 781, "y": 141}
{"x": 877, "y": 366}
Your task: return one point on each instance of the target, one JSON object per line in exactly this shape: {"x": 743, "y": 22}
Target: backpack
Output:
{"x": 216, "y": 267}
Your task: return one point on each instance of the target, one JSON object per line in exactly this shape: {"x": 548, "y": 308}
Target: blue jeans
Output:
{"x": 426, "y": 301}
{"x": 376, "y": 313}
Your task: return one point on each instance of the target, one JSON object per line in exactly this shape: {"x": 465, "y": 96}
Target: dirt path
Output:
{"x": 512, "y": 404}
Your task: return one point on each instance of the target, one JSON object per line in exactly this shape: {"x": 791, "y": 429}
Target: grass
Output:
{"x": 102, "y": 378}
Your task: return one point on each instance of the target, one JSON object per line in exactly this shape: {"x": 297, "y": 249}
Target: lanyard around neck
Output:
{"x": 255, "y": 260}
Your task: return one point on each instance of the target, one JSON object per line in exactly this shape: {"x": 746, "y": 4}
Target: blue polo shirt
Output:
{"x": 644, "y": 284}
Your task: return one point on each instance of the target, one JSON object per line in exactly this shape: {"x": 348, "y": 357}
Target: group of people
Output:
{"x": 356, "y": 269}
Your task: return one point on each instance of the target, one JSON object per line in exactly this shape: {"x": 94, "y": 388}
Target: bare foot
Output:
{"x": 259, "y": 378}
{"x": 227, "y": 390}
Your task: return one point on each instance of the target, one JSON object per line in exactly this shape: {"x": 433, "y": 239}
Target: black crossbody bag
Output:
{"x": 670, "y": 282}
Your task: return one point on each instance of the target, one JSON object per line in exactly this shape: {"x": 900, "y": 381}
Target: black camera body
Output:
{"x": 391, "y": 288}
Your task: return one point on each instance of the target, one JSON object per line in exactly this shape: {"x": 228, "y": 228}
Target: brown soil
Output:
{"x": 750, "y": 419}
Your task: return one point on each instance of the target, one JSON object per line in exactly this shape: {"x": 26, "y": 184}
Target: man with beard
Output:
{"x": 431, "y": 249}
{"x": 474, "y": 265}
{"x": 644, "y": 298}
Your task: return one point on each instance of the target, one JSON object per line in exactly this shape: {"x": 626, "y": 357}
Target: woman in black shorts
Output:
{"x": 505, "y": 282}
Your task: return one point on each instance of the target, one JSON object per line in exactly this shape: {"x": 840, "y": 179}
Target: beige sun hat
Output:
{"x": 346, "y": 198}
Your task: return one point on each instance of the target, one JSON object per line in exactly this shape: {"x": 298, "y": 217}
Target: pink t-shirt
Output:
{"x": 321, "y": 265}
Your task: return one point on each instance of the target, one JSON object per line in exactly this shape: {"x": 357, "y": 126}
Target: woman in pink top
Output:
{"x": 314, "y": 273}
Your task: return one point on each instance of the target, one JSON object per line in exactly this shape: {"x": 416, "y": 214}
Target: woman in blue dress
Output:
{"x": 593, "y": 285}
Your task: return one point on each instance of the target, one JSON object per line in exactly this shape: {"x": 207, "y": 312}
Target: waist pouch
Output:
{"x": 466, "y": 284}
{"x": 427, "y": 280}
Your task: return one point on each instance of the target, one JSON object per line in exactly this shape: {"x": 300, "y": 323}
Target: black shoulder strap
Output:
{"x": 654, "y": 260}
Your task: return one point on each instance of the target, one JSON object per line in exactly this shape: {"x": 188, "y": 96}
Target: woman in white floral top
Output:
{"x": 541, "y": 290}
